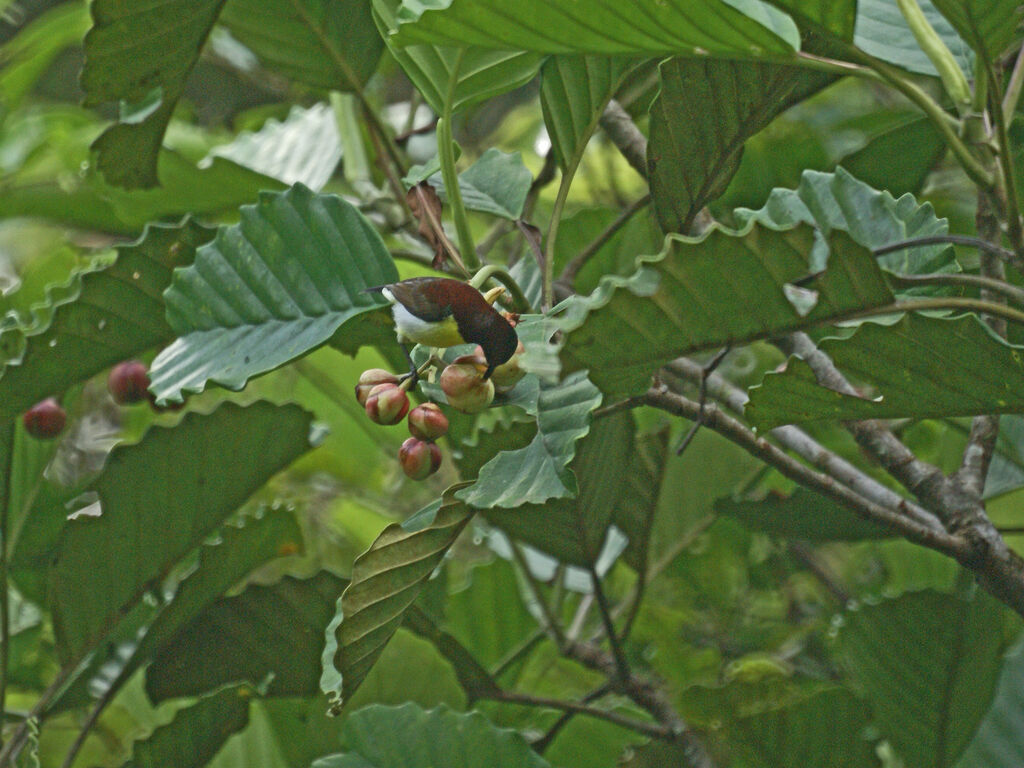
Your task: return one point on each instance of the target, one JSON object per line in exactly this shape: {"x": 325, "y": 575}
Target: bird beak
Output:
{"x": 494, "y": 294}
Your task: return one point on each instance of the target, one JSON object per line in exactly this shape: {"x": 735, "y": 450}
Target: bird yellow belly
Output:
{"x": 444, "y": 333}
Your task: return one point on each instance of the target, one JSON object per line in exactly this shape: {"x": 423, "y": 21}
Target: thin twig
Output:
{"x": 653, "y": 730}
{"x": 621, "y": 664}
{"x": 811, "y": 562}
{"x": 705, "y": 371}
{"x": 541, "y": 744}
{"x": 1005, "y": 159}
{"x": 1012, "y": 292}
{"x": 574, "y": 266}
{"x": 520, "y": 651}
{"x": 965, "y": 240}
{"x": 553, "y": 627}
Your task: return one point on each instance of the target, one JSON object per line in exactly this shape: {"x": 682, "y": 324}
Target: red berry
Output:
{"x": 419, "y": 458}
{"x": 465, "y": 387}
{"x": 427, "y": 422}
{"x": 128, "y": 382}
{"x": 387, "y": 404}
{"x": 45, "y": 419}
{"x": 371, "y": 378}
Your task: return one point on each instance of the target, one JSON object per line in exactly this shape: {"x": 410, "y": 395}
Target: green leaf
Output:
{"x": 802, "y": 515}
{"x": 990, "y": 27}
{"x": 274, "y": 286}
{"x": 474, "y": 679}
{"x": 882, "y": 31}
{"x": 496, "y": 183}
{"x": 103, "y": 315}
{"x": 704, "y": 113}
{"x": 386, "y": 579}
{"x": 999, "y": 740}
{"x": 410, "y": 737}
{"x": 1006, "y": 473}
{"x": 834, "y": 18}
{"x": 574, "y": 529}
{"x": 838, "y": 201}
{"x": 133, "y": 53}
{"x": 825, "y": 730}
{"x": 574, "y": 90}
{"x": 920, "y": 367}
{"x": 236, "y": 552}
{"x": 158, "y": 500}
{"x": 269, "y": 634}
{"x": 740, "y": 28}
{"x": 303, "y": 149}
{"x": 327, "y": 45}
{"x": 927, "y": 663}
{"x": 537, "y": 473}
{"x": 28, "y": 55}
{"x": 482, "y": 73}
{"x": 703, "y": 293}
{"x": 196, "y": 733}
{"x": 638, "y": 504}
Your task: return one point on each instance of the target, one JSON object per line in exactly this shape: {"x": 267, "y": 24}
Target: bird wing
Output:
{"x": 419, "y": 302}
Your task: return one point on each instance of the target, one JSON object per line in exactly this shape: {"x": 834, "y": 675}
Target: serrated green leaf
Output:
{"x": 105, "y": 314}
{"x": 237, "y": 551}
{"x": 320, "y": 43}
{"x": 274, "y": 286}
{"x": 134, "y": 52}
{"x": 538, "y": 472}
{"x": 482, "y": 73}
{"x": 740, "y": 28}
{"x": 196, "y": 733}
{"x": 410, "y": 737}
{"x": 273, "y": 634}
{"x": 919, "y": 367}
{"x": 802, "y": 515}
{"x": 838, "y": 201}
{"x": 158, "y": 500}
{"x": 999, "y": 740}
{"x": 304, "y": 148}
{"x": 882, "y": 31}
{"x": 571, "y": 529}
{"x": 989, "y": 26}
{"x": 386, "y": 579}
{"x": 700, "y": 120}
{"x": 703, "y": 293}
{"x": 574, "y": 90}
{"x": 496, "y": 183}
{"x": 927, "y": 663}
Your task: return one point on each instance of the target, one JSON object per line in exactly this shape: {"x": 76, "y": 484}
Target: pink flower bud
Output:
{"x": 465, "y": 387}
{"x": 419, "y": 458}
{"x": 387, "y": 404}
{"x": 427, "y": 422}
{"x": 371, "y": 378}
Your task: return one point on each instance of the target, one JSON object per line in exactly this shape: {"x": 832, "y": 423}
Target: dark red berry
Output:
{"x": 387, "y": 404}
{"x": 427, "y": 422}
{"x": 45, "y": 419}
{"x": 128, "y": 382}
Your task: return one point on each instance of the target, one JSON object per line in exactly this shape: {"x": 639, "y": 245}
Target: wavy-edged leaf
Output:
{"x": 573, "y": 530}
{"x": 324, "y": 44}
{"x": 386, "y": 579}
{"x": 740, "y": 28}
{"x": 279, "y": 283}
{"x": 158, "y": 500}
{"x": 409, "y": 737}
{"x": 140, "y": 55}
{"x": 882, "y": 31}
{"x": 222, "y": 563}
{"x": 920, "y": 367}
{"x": 304, "y": 148}
{"x": 482, "y": 73}
{"x": 838, "y": 201}
{"x": 927, "y": 663}
{"x": 105, "y": 314}
{"x": 999, "y": 740}
{"x": 538, "y": 472}
{"x": 196, "y": 733}
{"x": 801, "y": 515}
{"x": 267, "y": 633}
{"x": 704, "y": 113}
{"x": 702, "y": 293}
{"x": 574, "y": 90}
{"x": 989, "y": 26}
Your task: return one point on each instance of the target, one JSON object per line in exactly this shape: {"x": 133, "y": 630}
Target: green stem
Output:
{"x": 953, "y": 78}
{"x": 1005, "y": 159}
{"x": 499, "y": 273}
{"x": 446, "y": 154}
{"x": 1012, "y": 292}
{"x": 5, "y": 610}
{"x": 552, "y": 237}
